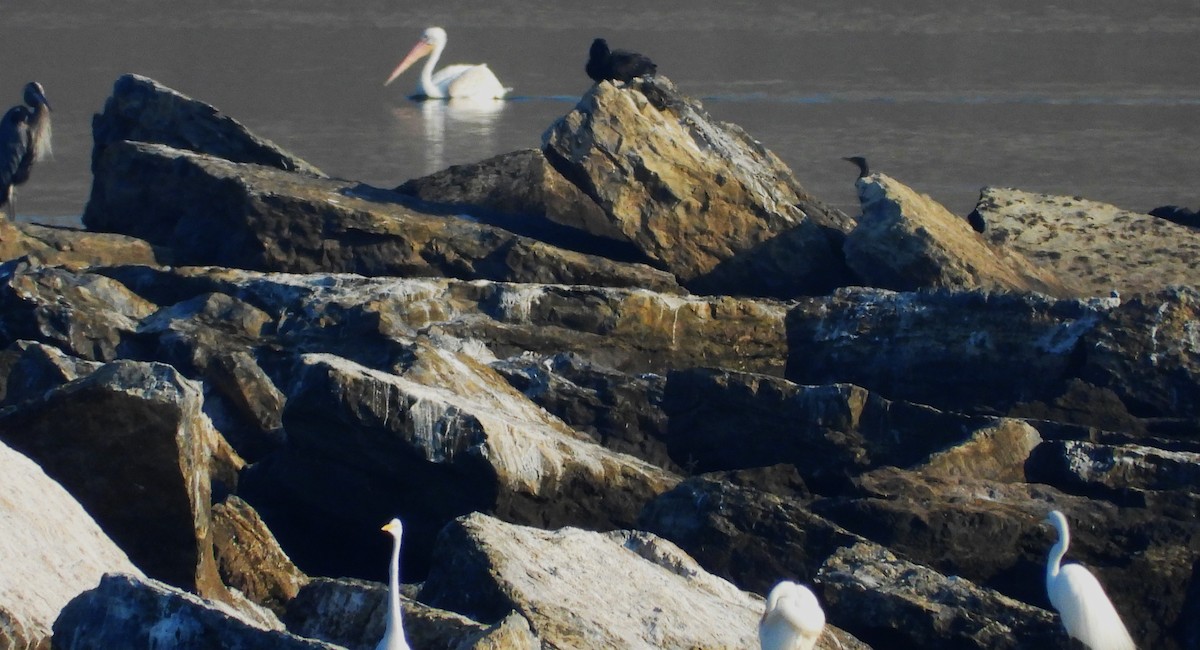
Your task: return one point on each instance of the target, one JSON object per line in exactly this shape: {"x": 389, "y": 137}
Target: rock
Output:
{"x": 722, "y": 420}
{"x": 701, "y": 198}
{"x": 511, "y": 633}
{"x": 1083, "y": 404}
{"x": 443, "y": 437}
{"x": 249, "y": 558}
{"x": 583, "y": 589}
{"x": 86, "y": 315}
{"x": 77, "y": 249}
{"x": 144, "y": 110}
{"x": 620, "y": 411}
{"x": 906, "y": 241}
{"x": 1148, "y": 352}
{"x": 1095, "y": 246}
{"x": 975, "y": 352}
{"x": 353, "y": 614}
{"x": 998, "y": 451}
{"x": 1176, "y": 214}
{"x": 36, "y": 368}
{"x": 53, "y": 550}
{"x": 747, "y": 536}
{"x": 1103, "y": 471}
{"x": 521, "y": 184}
{"x": 212, "y": 211}
{"x": 148, "y": 449}
{"x": 129, "y": 612}
{"x": 893, "y": 603}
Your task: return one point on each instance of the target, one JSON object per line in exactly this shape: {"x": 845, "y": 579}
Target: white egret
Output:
{"x": 1085, "y": 609}
{"x": 393, "y": 635}
{"x": 461, "y": 81}
{"x": 793, "y": 619}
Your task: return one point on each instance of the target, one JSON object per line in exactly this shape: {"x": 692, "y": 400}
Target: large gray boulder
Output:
{"x": 144, "y": 110}
{"x": 53, "y": 550}
{"x": 125, "y": 611}
{"x": 906, "y": 241}
{"x": 700, "y": 197}
{"x": 213, "y": 211}
{"x": 581, "y": 589}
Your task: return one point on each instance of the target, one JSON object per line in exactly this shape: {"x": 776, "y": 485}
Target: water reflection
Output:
{"x": 450, "y": 125}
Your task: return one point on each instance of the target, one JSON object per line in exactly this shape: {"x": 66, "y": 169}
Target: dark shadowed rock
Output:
{"x": 144, "y": 110}
{"x": 1176, "y": 214}
{"x": 747, "y": 536}
{"x": 128, "y": 612}
{"x": 53, "y": 550}
{"x": 700, "y": 197}
{"x": 1110, "y": 471}
{"x": 212, "y": 211}
{"x": 521, "y": 184}
{"x": 1083, "y": 404}
{"x": 723, "y": 420}
{"x": 131, "y": 443}
{"x": 893, "y": 603}
{"x": 35, "y": 368}
{"x": 906, "y": 241}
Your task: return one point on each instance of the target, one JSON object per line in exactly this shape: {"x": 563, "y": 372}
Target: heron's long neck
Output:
{"x": 427, "y": 86}
{"x": 394, "y": 586}
{"x": 41, "y": 132}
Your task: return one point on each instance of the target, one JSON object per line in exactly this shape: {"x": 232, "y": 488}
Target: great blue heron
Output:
{"x": 618, "y": 65}
{"x": 24, "y": 140}
{"x": 861, "y": 163}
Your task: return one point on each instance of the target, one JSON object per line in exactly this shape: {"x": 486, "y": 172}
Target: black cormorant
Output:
{"x": 616, "y": 65}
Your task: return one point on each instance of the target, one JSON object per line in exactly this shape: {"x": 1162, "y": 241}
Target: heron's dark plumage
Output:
{"x": 16, "y": 149}
{"x": 617, "y": 65}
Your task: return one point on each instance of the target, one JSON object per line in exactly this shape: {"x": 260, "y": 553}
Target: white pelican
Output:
{"x": 475, "y": 81}
{"x": 793, "y": 619}
{"x": 1085, "y": 609}
{"x": 393, "y": 635}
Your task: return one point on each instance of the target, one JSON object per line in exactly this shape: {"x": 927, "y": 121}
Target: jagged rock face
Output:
{"x": 451, "y": 430}
{"x": 750, "y": 537}
{"x": 1108, "y": 470}
{"x": 561, "y": 582}
{"x": 128, "y": 612}
{"x": 722, "y": 420}
{"x": 1148, "y": 352}
{"x": 75, "y": 248}
{"x": 53, "y": 550}
{"x": 521, "y": 183}
{"x": 906, "y": 241}
{"x": 212, "y": 211}
{"x": 948, "y": 350}
{"x": 33, "y": 368}
{"x": 148, "y": 450}
{"x": 89, "y": 316}
{"x": 901, "y": 604}
{"x": 999, "y": 451}
{"x": 1096, "y": 246}
{"x": 144, "y": 110}
{"x": 700, "y": 197}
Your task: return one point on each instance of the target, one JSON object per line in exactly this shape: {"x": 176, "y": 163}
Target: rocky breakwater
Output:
{"x": 583, "y": 453}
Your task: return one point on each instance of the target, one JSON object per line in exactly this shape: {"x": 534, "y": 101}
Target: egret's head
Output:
{"x": 394, "y": 527}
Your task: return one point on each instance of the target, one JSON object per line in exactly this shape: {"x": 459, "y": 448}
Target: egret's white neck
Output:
{"x": 394, "y": 587}
{"x": 427, "y": 87}
{"x": 1057, "y": 551}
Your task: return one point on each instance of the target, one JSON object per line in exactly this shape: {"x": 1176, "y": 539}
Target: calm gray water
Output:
{"x": 1098, "y": 98}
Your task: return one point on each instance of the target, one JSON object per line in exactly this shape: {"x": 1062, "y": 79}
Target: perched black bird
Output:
{"x": 861, "y": 163}
{"x": 616, "y": 65}
{"x": 24, "y": 140}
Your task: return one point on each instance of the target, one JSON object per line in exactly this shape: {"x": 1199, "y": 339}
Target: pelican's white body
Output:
{"x": 793, "y": 619}
{"x": 393, "y": 635}
{"x": 1085, "y": 609}
{"x": 452, "y": 81}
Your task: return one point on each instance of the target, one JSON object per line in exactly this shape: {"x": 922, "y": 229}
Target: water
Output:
{"x": 1084, "y": 97}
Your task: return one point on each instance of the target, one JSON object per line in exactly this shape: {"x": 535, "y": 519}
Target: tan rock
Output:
{"x": 1096, "y": 246}
{"x": 250, "y": 559}
{"x": 906, "y": 241}
{"x": 996, "y": 452}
